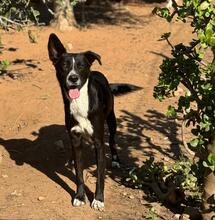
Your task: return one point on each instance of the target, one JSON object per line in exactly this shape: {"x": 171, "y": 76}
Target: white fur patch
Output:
{"x": 79, "y": 109}
{"x": 78, "y": 203}
{"x": 72, "y": 72}
{"x": 169, "y": 4}
{"x": 98, "y": 205}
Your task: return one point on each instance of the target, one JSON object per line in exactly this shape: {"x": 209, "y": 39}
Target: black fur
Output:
{"x": 101, "y": 108}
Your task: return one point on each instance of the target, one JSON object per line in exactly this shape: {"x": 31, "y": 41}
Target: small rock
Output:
{"x": 15, "y": 193}
{"x": 99, "y": 217}
{"x": 92, "y": 180}
{"x": 166, "y": 159}
{"x": 142, "y": 202}
{"x": 179, "y": 92}
{"x": 41, "y": 198}
{"x": 69, "y": 46}
{"x": 140, "y": 194}
{"x": 124, "y": 193}
{"x": 4, "y": 175}
{"x": 176, "y": 216}
{"x": 131, "y": 197}
{"x": 184, "y": 217}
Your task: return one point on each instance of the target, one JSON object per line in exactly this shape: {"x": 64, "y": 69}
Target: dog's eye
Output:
{"x": 80, "y": 66}
{"x": 64, "y": 65}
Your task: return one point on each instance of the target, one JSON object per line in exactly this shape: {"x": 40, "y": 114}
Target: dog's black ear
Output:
{"x": 91, "y": 57}
{"x": 55, "y": 48}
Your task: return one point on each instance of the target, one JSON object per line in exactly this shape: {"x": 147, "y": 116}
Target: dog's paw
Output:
{"x": 115, "y": 164}
{"x": 70, "y": 163}
{"x": 98, "y": 205}
{"x": 78, "y": 203}
{"x": 115, "y": 161}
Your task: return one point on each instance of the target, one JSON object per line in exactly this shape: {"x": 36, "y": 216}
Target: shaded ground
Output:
{"x": 34, "y": 182}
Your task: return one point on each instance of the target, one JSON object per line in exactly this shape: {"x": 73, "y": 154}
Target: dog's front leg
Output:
{"x": 76, "y": 141}
{"x": 98, "y": 202}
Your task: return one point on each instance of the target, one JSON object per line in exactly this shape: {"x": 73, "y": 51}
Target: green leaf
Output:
{"x": 205, "y": 164}
{"x": 188, "y": 93}
{"x": 209, "y": 32}
{"x": 207, "y": 14}
{"x": 4, "y": 65}
{"x": 35, "y": 13}
{"x": 165, "y": 36}
{"x": 194, "y": 142}
{"x": 204, "y": 5}
{"x": 210, "y": 163}
{"x": 5, "y": 62}
{"x": 163, "y": 12}
{"x": 211, "y": 159}
{"x": 206, "y": 118}
{"x": 171, "y": 111}
{"x": 207, "y": 86}
{"x": 201, "y": 35}
{"x": 73, "y": 3}
{"x": 201, "y": 55}
{"x": 212, "y": 41}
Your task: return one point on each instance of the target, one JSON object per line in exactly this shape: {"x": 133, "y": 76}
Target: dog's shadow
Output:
{"x": 46, "y": 155}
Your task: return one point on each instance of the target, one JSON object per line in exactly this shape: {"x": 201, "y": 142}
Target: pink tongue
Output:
{"x": 74, "y": 93}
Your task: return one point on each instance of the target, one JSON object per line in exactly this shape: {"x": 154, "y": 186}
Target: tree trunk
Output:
{"x": 209, "y": 189}
{"x": 64, "y": 15}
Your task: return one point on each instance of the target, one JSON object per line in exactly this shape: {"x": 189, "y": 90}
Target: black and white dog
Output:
{"x": 88, "y": 103}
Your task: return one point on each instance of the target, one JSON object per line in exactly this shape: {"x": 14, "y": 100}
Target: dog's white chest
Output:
{"x": 79, "y": 109}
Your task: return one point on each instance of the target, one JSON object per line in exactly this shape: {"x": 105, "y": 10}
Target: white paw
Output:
{"x": 98, "y": 205}
{"x": 78, "y": 203}
{"x": 69, "y": 163}
{"x": 115, "y": 164}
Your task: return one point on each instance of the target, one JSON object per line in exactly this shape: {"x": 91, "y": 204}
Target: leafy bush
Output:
{"x": 3, "y": 66}
{"x": 17, "y": 13}
{"x": 191, "y": 66}
{"x": 169, "y": 184}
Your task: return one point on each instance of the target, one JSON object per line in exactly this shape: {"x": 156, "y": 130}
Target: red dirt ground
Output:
{"x": 32, "y": 120}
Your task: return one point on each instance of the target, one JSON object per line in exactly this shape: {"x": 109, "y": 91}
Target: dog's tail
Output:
{"x": 123, "y": 88}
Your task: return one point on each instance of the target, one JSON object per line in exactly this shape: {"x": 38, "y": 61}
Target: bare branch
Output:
{"x": 9, "y": 21}
{"x": 170, "y": 43}
{"x": 184, "y": 141}
{"x": 188, "y": 85}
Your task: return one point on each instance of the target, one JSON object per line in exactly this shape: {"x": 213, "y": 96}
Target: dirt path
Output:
{"x": 31, "y": 114}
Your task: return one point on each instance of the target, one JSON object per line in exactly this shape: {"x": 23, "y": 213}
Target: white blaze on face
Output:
{"x": 71, "y": 71}
{"x": 79, "y": 109}
{"x": 73, "y": 93}
{"x": 73, "y": 66}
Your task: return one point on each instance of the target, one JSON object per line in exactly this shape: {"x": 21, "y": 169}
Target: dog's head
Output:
{"x": 72, "y": 69}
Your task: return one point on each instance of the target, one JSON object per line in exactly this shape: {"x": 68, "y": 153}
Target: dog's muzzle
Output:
{"x": 73, "y": 80}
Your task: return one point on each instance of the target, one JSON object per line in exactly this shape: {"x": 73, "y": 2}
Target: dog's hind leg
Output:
{"x": 111, "y": 122}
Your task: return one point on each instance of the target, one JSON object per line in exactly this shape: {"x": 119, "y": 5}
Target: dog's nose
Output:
{"x": 73, "y": 78}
